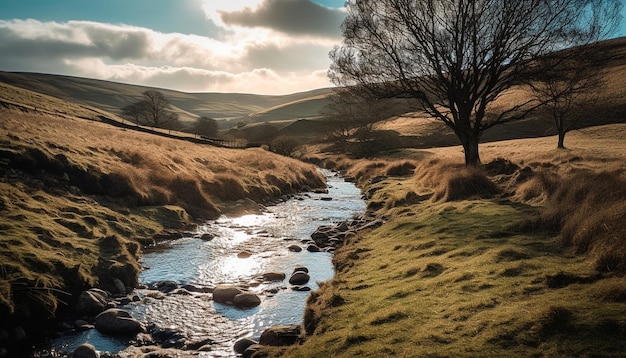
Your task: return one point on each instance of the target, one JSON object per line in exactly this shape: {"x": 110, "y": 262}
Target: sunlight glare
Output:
{"x": 234, "y": 268}
{"x": 214, "y": 9}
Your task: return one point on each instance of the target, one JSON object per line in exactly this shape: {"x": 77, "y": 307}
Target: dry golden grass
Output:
{"x": 79, "y": 197}
{"x": 151, "y": 170}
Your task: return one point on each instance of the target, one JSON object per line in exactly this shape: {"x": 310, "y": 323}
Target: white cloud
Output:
{"x": 260, "y": 49}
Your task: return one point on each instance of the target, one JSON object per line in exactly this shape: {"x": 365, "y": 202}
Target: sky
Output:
{"x": 245, "y": 46}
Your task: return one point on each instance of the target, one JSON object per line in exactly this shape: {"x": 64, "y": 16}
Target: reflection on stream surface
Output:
{"x": 208, "y": 263}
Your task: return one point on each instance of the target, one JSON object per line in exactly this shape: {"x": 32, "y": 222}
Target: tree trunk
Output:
{"x": 561, "y": 144}
{"x": 470, "y": 147}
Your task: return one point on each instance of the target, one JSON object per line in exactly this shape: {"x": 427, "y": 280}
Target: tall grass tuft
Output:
{"x": 464, "y": 184}
{"x": 227, "y": 187}
{"x": 191, "y": 196}
{"x": 590, "y": 211}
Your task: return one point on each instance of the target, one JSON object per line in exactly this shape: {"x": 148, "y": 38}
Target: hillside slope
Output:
{"x": 112, "y": 96}
{"x": 79, "y": 198}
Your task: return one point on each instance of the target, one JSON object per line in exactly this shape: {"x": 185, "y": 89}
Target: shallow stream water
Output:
{"x": 244, "y": 248}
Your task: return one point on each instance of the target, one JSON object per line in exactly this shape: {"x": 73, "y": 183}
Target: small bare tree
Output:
{"x": 134, "y": 112}
{"x": 569, "y": 87}
{"x": 153, "y": 110}
{"x": 456, "y": 57}
{"x": 156, "y": 109}
{"x": 353, "y": 118}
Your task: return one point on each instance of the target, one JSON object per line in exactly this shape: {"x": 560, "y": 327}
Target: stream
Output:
{"x": 243, "y": 249}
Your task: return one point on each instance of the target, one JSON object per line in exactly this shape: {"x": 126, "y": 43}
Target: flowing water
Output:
{"x": 243, "y": 248}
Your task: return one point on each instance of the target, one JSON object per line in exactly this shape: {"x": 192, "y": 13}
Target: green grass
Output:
{"x": 463, "y": 278}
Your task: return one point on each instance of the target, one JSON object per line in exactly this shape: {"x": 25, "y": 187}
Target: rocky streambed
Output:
{"x": 233, "y": 282}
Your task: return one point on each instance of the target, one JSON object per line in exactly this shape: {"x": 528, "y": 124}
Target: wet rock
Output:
{"x": 244, "y": 254}
{"x": 299, "y": 278}
{"x": 246, "y": 300}
{"x": 168, "y": 337}
{"x": 313, "y": 248}
{"x": 274, "y": 276}
{"x": 202, "y": 344}
{"x": 300, "y": 268}
{"x": 117, "y": 322}
{"x": 91, "y": 302}
{"x": 301, "y": 288}
{"x": 243, "y": 344}
{"x": 226, "y": 293}
{"x": 119, "y": 286}
{"x": 251, "y": 351}
{"x": 85, "y": 350}
{"x": 294, "y": 248}
{"x": 166, "y": 286}
{"x": 280, "y": 335}
{"x": 207, "y": 236}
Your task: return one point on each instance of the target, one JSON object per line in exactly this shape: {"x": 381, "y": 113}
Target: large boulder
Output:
{"x": 85, "y": 350}
{"x": 243, "y": 344}
{"x": 118, "y": 322}
{"x": 280, "y": 335}
{"x": 91, "y": 302}
{"x": 299, "y": 278}
{"x": 246, "y": 300}
{"x": 226, "y": 293}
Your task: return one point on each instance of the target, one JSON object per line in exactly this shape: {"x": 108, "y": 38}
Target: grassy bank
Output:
{"x": 78, "y": 199}
{"x": 524, "y": 257}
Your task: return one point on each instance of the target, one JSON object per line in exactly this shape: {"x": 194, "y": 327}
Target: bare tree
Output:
{"x": 134, "y": 112}
{"x": 153, "y": 110}
{"x": 456, "y": 57}
{"x": 569, "y": 89}
{"x": 353, "y": 118}
{"x": 156, "y": 109}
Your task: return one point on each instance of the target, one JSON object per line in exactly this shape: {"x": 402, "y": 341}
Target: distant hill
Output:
{"x": 112, "y": 96}
{"x": 307, "y": 108}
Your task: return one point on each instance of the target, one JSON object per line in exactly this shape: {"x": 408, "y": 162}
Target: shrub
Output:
{"x": 464, "y": 184}
{"x": 284, "y": 145}
{"x": 227, "y": 187}
{"x": 401, "y": 168}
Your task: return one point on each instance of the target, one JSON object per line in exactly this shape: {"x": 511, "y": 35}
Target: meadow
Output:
{"x": 521, "y": 257}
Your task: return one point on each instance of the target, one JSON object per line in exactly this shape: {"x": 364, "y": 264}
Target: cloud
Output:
{"x": 296, "y": 17}
{"x": 263, "y": 46}
{"x": 260, "y": 80}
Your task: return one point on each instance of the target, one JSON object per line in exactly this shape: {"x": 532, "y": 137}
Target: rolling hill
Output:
{"x": 112, "y": 96}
